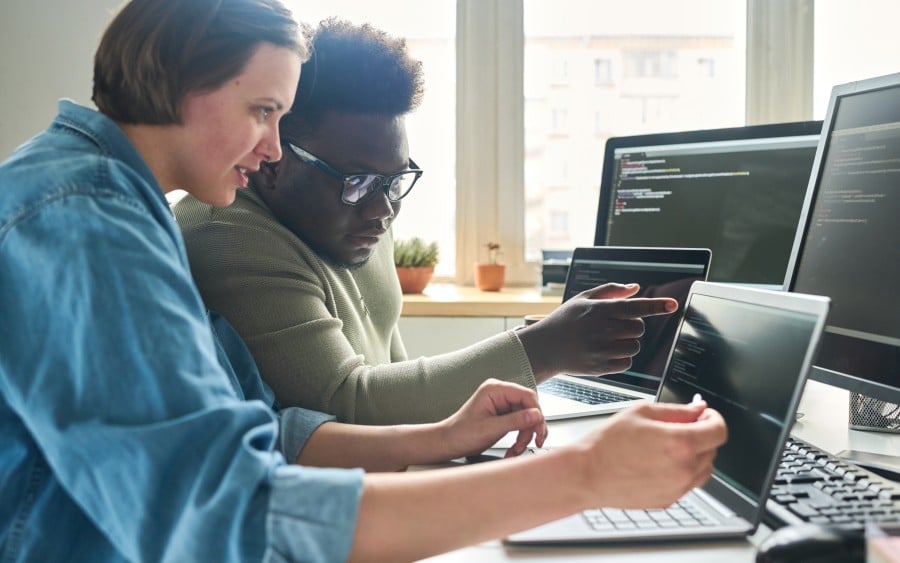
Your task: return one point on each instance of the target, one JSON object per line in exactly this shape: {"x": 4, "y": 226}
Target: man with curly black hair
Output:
{"x": 302, "y": 264}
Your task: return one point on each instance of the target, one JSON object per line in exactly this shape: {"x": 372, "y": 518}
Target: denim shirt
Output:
{"x": 122, "y": 434}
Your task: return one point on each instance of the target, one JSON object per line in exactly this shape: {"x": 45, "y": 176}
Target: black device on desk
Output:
{"x": 554, "y": 269}
{"x": 812, "y": 542}
{"x": 848, "y": 248}
{"x": 737, "y": 191}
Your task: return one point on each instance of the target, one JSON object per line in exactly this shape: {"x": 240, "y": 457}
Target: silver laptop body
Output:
{"x": 747, "y": 352}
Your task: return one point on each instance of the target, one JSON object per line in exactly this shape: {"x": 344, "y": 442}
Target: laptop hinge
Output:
{"x": 723, "y": 510}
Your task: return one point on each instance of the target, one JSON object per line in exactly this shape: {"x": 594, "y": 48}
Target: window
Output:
{"x": 651, "y": 39}
{"x": 650, "y": 64}
{"x": 853, "y": 40}
{"x": 602, "y": 71}
{"x": 493, "y": 169}
{"x": 430, "y": 210}
{"x": 558, "y": 120}
{"x": 706, "y": 67}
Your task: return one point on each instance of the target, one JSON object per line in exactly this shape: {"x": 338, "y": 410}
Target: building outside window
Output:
{"x": 602, "y": 71}
{"x": 618, "y": 68}
{"x": 656, "y": 42}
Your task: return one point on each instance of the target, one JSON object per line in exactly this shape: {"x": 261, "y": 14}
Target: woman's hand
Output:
{"x": 650, "y": 455}
{"x": 495, "y": 409}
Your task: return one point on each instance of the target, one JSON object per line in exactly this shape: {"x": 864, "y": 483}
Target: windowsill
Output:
{"x": 449, "y": 300}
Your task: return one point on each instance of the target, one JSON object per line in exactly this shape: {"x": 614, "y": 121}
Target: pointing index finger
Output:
{"x": 645, "y": 307}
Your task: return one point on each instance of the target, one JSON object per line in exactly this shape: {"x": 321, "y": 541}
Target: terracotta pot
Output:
{"x": 489, "y": 277}
{"x": 414, "y": 280}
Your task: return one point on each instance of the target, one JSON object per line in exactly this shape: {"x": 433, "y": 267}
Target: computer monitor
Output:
{"x": 848, "y": 244}
{"x": 737, "y": 191}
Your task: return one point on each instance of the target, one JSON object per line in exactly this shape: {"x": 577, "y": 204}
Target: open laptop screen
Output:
{"x": 661, "y": 272}
{"x": 744, "y": 360}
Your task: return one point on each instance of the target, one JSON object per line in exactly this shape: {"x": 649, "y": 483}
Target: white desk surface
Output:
{"x": 823, "y": 424}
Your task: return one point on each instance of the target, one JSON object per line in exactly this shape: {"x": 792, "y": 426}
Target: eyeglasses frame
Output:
{"x": 386, "y": 180}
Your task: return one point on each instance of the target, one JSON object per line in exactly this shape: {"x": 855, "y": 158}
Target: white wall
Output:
{"x": 46, "y": 53}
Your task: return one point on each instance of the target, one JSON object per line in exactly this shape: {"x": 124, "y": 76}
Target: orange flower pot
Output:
{"x": 414, "y": 280}
{"x": 489, "y": 277}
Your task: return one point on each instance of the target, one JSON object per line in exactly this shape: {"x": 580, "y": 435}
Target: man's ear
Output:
{"x": 268, "y": 171}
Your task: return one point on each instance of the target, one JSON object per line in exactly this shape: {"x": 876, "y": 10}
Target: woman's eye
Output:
{"x": 265, "y": 112}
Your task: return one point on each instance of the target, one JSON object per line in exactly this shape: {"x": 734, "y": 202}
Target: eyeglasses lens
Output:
{"x": 359, "y": 188}
{"x": 401, "y": 185}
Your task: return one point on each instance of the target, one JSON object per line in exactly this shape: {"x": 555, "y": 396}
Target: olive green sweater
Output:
{"x": 326, "y": 338}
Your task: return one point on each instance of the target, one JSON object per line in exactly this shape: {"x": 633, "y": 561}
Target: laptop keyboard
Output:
{"x": 682, "y": 514}
{"x": 581, "y": 393}
{"x": 814, "y": 486}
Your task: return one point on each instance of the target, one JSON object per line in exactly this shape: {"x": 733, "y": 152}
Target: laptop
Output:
{"x": 661, "y": 272}
{"x": 747, "y": 353}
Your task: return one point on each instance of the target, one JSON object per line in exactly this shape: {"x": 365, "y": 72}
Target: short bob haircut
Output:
{"x": 155, "y": 52}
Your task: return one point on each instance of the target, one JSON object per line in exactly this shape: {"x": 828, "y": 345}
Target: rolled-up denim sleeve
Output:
{"x": 312, "y": 513}
{"x": 295, "y": 426}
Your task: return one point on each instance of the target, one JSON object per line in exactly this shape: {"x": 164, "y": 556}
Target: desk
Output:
{"x": 824, "y": 424}
{"x": 448, "y": 300}
{"x": 448, "y": 317}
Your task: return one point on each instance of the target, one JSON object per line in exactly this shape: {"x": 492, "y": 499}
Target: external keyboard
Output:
{"x": 814, "y": 486}
{"x": 581, "y": 393}
{"x": 682, "y": 514}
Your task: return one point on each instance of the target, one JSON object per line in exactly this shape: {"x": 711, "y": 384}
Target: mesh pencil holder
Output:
{"x": 867, "y": 413}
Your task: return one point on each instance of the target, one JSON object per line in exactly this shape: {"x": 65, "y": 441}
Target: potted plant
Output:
{"x": 490, "y": 275}
{"x": 414, "y": 260}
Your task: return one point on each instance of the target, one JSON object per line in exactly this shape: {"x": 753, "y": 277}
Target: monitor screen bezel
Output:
{"x": 846, "y": 381}
{"x": 748, "y": 132}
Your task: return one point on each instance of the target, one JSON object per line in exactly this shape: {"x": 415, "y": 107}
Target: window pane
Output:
{"x": 601, "y": 68}
{"x": 429, "y": 211}
{"x": 854, "y": 39}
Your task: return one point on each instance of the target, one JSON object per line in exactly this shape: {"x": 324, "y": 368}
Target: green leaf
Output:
{"x": 415, "y": 253}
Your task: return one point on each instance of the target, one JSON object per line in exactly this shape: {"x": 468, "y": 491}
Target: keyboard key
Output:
{"x": 803, "y": 510}
{"x": 681, "y": 514}
{"x": 581, "y": 393}
{"x": 813, "y": 486}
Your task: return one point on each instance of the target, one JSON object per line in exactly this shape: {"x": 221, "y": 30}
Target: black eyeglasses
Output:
{"x": 357, "y": 188}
